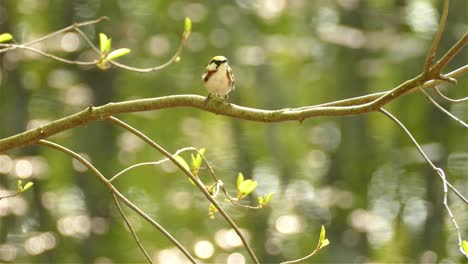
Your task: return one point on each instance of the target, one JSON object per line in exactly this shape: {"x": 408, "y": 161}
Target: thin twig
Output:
{"x": 109, "y": 186}
{"x": 300, "y": 259}
{"x": 361, "y": 100}
{"x": 76, "y": 25}
{"x": 50, "y": 56}
{"x": 9, "y": 196}
{"x": 450, "y": 54}
{"x": 316, "y": 250}
{"x": 197, "y": 182}
{"x": 85, "y": 37}
{"x": 421, "y": 151}
{"x": 435, "y": 44}
{"x": 136, "y": 69}
{"x": 173, "y": 59}
{"x": 443, "y": 109}
{"x": 452, "y": 217}
{"x": 150, "y": 163}
{"x": 438, "y": 170}
{"x": 448, "y": 98}
{"x": 129, "y": 225}
{"x": 236, "y": 202}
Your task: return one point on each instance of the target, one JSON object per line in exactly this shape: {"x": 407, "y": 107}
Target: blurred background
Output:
{"x": 359, "y": 176}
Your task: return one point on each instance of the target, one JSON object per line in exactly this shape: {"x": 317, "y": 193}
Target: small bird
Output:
{"x": 218, "y": 77}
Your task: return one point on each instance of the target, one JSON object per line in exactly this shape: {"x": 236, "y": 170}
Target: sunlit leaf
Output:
{"x": 187, "y": 27}
{"x": 182, "y": 162}
{"x": 103, "y": 43}
{"x": 117, "y": 53}
{"x": 268, "y": 198}
{"x": 325, "y": 243}
{"x": 197, "y": 161}
{"x": 28, "y": 185}
{"x": 465, "y": 247}
{"x": 202, "y": 151}
{"x": 240, "y": 179}
{"x": 260, "y": 200}
{"x": 108, "y": 46}
{"x": 322, "y": 234}
{"x": 211, "y": 211}
{"x": 247, "y": 186}
{"x": 5, "y": 37}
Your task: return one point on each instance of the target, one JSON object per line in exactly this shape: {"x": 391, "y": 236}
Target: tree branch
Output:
{"x": 435, "y": 44}
{"x": 129, "y": 225}
{"x": 194, "y": 179}
{"x": 115, "y": 192}
{"x": 441, "y": 174}
{"x": 352, "y": 106}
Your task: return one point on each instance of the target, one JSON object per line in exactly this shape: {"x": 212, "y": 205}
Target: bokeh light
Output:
{"x": 204, "y": 249}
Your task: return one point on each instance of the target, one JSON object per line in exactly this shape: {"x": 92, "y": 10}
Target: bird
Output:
{"x": 218, "y": 77}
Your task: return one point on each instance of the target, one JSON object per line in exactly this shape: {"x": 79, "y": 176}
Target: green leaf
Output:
{"x": 187, "y": 27}
{"x": 105, "y": 43}
{"x": 247, "y": 187}
{"x": 240, "y": 179}
{"x": 322, "y": 234}
{"x": 465, "y": 247}
{"x": 202, "y": 152}
{"x": 182, "y": 162}
{"x": 197, "y": 161}
{"x": 117, "y": 53}
{"x": 211, "y": 211}
{"x": 325, "y": 243}
{"x": 108, "y": 46}
{"x": 19, "y": 187}
{"x": 260, "y": 200}
{"x": 28, "y": 185}
{"x": 5, "y": 37}
{"x": 268, "y": 198}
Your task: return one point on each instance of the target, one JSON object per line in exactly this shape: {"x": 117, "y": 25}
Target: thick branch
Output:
{"x": 352, "y": 106}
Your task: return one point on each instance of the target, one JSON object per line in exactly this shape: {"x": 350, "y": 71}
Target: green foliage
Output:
{"x": 244, "y": 187}
{"x": 187, "y": 28}
{"x": 182, "y": 162}
{"x": 104, "y": 43}
{"x": 117, "y": 53}
{"x": 263, "y": 201}
{"x": 197, "y": 161}
{"x": 4, "y": 37}
{"x": 323, "y": 242}
{"x": 464, "y": 246}
{"x": 211, "y": 211}
{"x": 21, "y": 188}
